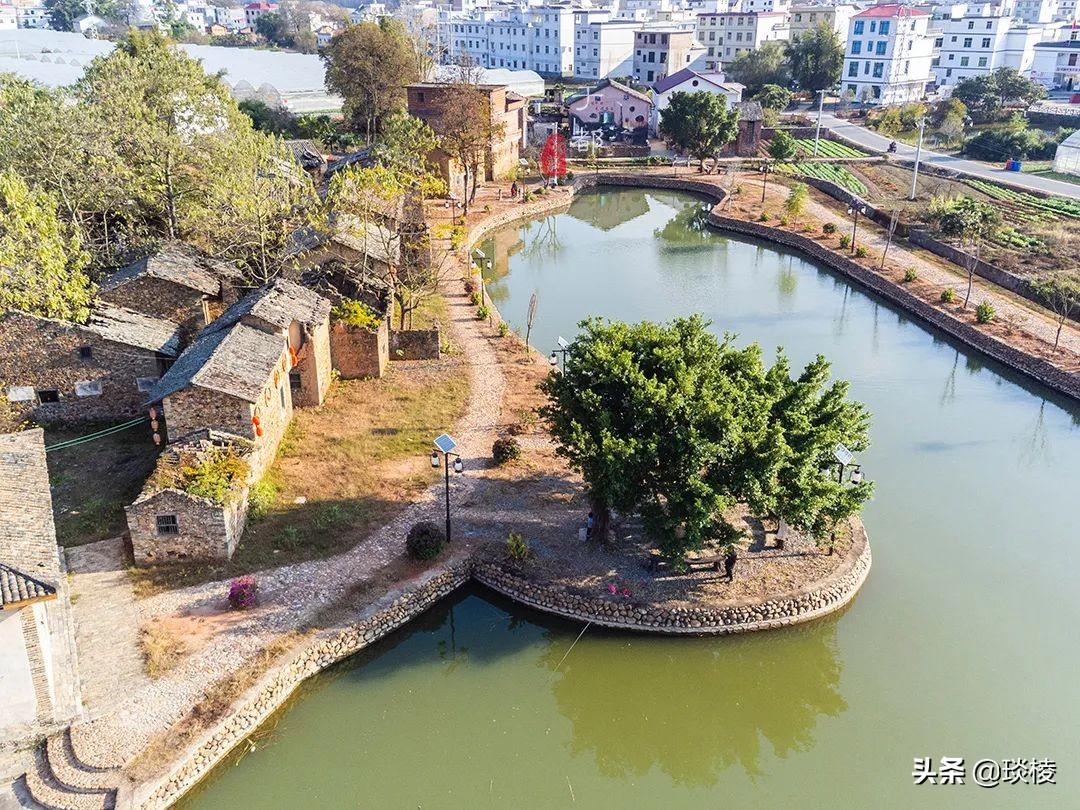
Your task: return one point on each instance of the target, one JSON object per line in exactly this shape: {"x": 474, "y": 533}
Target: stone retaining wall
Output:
{"x": 812, "y": 602}
{"x": 275, "y": 688}
{"x": 973, "y": 337}
{"x": 415, "y": 344}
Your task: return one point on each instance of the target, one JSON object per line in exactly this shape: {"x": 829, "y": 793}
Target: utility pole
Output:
{"x": 817, "y": 132}
{"x": 918, "y": 155}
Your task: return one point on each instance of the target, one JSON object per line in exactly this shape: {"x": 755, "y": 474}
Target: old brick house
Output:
{"x": 751, "y": 119}
{"x": 426, "y": 102}
{"x": 177, "y": 283}
{"x": 39, "y": 683}
{"x": 242, "y": 372}
{"x": 57, "y": 370}
{"x": 167, "y": 523}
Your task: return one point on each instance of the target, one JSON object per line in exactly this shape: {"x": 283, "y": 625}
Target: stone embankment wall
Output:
{"x": 274, "y": 688}
{"x": 357, "y": 352}
{"x": 799, "y": 606}
{"x": 415, "y": 344}
{"x": 1034, "y": 367}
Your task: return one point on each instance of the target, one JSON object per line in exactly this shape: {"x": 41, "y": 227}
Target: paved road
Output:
{"x": 879, "y": 143}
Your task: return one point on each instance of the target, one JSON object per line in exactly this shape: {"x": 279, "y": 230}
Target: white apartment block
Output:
{"x": 982, "y": 37}
{"x": 604, "y": 48}
{"x": 728, "y": 34}
{"x": 660, "y": 52}
{"x": 762, "y": 6}
{"x": 32, "y": 17}
{"x": 1057, "y": 64}
{"x": 804, "y": 18}
{"x": 1067, "y": 11}
{"x": 539, "y": 38}
{"x": 8, "y": 19}
{"x": 1035, "y": 11}
{"x": 889, "y": 55}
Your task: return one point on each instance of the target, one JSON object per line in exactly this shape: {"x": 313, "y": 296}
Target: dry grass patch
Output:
{"x": 162, "y": 647}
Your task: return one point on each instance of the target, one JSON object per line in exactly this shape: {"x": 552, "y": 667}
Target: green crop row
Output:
{"x": 827, "y": 148}
{"x": 828, "y": 171}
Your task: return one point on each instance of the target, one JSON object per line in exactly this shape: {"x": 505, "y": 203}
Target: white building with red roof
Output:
{"x": 889, "y": 55}
{"x": 691, "y": 81}
{"x": 252, "y": 11}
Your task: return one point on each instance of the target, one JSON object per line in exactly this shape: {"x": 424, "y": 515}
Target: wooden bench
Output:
{"x": 715, "y": 562}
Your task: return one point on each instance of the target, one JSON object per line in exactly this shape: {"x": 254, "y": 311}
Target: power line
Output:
{"x": 64, "y": 445}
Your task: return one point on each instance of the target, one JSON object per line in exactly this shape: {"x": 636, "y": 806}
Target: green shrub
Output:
{"x": 861, "y": 252}
{"x": 845, "y": 241}
{"x": 469, "y": 285}
{"x": 356, "y": 313}
{"x": 505, "y": 449}
{"x": 216, "y": 477}
{"x": 457, "y": 236}
{"x": 948, "y": 296}
{"x": 262, "y": 497}
{"x": 570, "y": 177}
{"x": 517, "y": 548}
{"x": 984, "y": 312}
{"x": 482, "y": 313}
{"x": 829, "y": 228}
{"x": 782, "y": 222}
{"x": 425, "y": 540}
{"x": 764, "y": 216}
{"x": 910, "y": 274}
{"x": 474, "y": 298}
{"x": 503, "y": 328}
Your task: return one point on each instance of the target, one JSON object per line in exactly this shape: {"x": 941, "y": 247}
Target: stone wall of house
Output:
{"x": 275, "y": 687}
{"x": 357, "y": 353}
{"x": 415, "y": 344}
{"x": 801, "y": 605}
{"x": 161, "y": 299}
{"x": 44, "y": 355}
{"x": 207, "y": 531}
{"x": 968, "y": 334}
{"x": 314, "y": 367}
{"x": 194, "y": 408}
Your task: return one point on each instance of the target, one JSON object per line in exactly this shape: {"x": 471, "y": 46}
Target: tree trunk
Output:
{"x": 1057, "y": 336}
{"x": 601, "y": 519}
{"x": 971, "y": 277}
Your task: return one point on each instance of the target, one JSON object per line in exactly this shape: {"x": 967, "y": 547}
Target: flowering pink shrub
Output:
{"x": 243, "y": 592}
{"x": 612, "y": 588}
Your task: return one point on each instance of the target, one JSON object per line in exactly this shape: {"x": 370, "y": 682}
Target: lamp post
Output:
{"x": 560, "y": 353}
{"x": 817, "y": 130}
{"x": 854, "y": 211}
{"x": 764, "y": 168}
{"x": 444, "y": 445}
{"x": 844, "y": 461}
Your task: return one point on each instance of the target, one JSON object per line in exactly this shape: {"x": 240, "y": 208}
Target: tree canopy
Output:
{"x": 816, "y": 59}
{"x": 699, "y": 124}
{"x": 782, "y": 146}
{"x": 42, "y": 263}
{"x": 678, "y": 426}
{"x": 757, "y": 68}
{"x": 466, "y": 129}
{"x": 774, "y": 97}
{"x": 987, "y": 96}
{"x": 369, "y": 65}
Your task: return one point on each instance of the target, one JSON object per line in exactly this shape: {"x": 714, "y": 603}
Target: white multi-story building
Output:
{"x": 1067, "y": 11}
{"x": 1035, "y": 11}
{"x": 752, "y": 6}
{"x": 539, "y": 38}
{"x": 889, "y": 55}
{"x": 32, "y": 17}
{"x": 1056, "y": 65}
{"x": 805, "y": 17}
{"x": 8, "y": 19}
{"x": 660, "y": 52}
{"x": 603, "y": 48}
{"x": 726, "y": 35}
{"x": 980, "y": 37}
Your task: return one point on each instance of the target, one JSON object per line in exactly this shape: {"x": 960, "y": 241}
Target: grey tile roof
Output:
{"x": 27, "y": 537}
{"x": 236, "y": 361}
{"x": 279, "y": 303}
{"x": 365, "y": 158}
{"x": 306, "y": 154}
{"x": 179, "y": 264}
{"x": 132, "y": 328}
{"x": 750, "y": 111}
{"x": 17, "y": 588}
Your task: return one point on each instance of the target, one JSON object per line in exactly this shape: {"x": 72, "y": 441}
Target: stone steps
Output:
{"x": 58, "y": 781}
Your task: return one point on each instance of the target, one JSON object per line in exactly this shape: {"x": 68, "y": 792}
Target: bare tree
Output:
{"x": 893, "y": 221}
{"x": 971, "y": 262}
{"x": 531, "y": 316}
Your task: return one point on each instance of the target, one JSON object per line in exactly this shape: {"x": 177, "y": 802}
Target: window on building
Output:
{"x": 879, "y": 69}
{"x": 866, "y": 68}
{"x": 853, "y": 69}
{"x": 883, "y": 28}
{"x": 986, "y": 42}
{"x": 971, "y": 24}
{"x": 88, "y": 388}
{"x": 964, "y": 61}
{"x": 873, "y": 26}
{"x": 86, "y": 353}
{"x": 880, "y": 51}
{"x": 982, "y": 61}
{"x": 167, "y": 524}
{"x": 856, "y": 46}
{"x": 859, "y": 26}
{"x": 48, "y": 395}
{"x": 420, "y": 97}
{"x": 952, "y": 56}
{"x": 967, "y": 42}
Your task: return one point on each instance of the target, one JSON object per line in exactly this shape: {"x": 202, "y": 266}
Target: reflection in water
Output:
{"x": 687, "y": 230}
{"x": 607, "y": 210}
{"x": 702, "y": 706}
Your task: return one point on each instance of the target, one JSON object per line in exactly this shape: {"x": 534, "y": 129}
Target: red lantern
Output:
{"x": 258, "y": 430}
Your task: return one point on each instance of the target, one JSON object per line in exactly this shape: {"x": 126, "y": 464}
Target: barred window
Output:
{"x": 168, "y": 524}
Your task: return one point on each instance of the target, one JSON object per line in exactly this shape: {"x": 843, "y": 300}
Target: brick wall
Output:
{"x": 44, "y": 354}
{"x": 358, "y": 352}
{"x": 314, "y": 367}
{"x": 414, "y": 344}
{"x": 206, "y": 531}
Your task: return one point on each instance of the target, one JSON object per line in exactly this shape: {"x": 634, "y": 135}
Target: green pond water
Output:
{"x": 962, "y": 642}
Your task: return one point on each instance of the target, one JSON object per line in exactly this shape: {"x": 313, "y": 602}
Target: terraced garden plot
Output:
{"x": 827, "y": 171}
{"x": 1019, "y": 207}
{"x": 828, "y": 148}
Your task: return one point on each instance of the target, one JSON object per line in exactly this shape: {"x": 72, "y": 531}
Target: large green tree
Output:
{"x": 369, "y": 65}
{"x": 816, "y": 59}
{"x": 699, "y": 124}
{"x": 678, "y": 426}
{"x": 761, "y": 66}
{"x": 987, "y": 96}
{"x": 42, "y": 263}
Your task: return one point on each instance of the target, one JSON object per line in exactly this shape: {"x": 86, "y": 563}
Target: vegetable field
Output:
{"x": 1020, "y": 208}
{"x": 827, "y": 148}
{"x": 827, "y": 171}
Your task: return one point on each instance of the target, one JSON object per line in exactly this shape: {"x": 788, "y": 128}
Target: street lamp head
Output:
{"x": 850, "y": 210}
{"x": 435, "y": 459}
{"x": 554, "y": 359}
{"x": 856, "y": 475}
{"x": 459, "y": 467}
